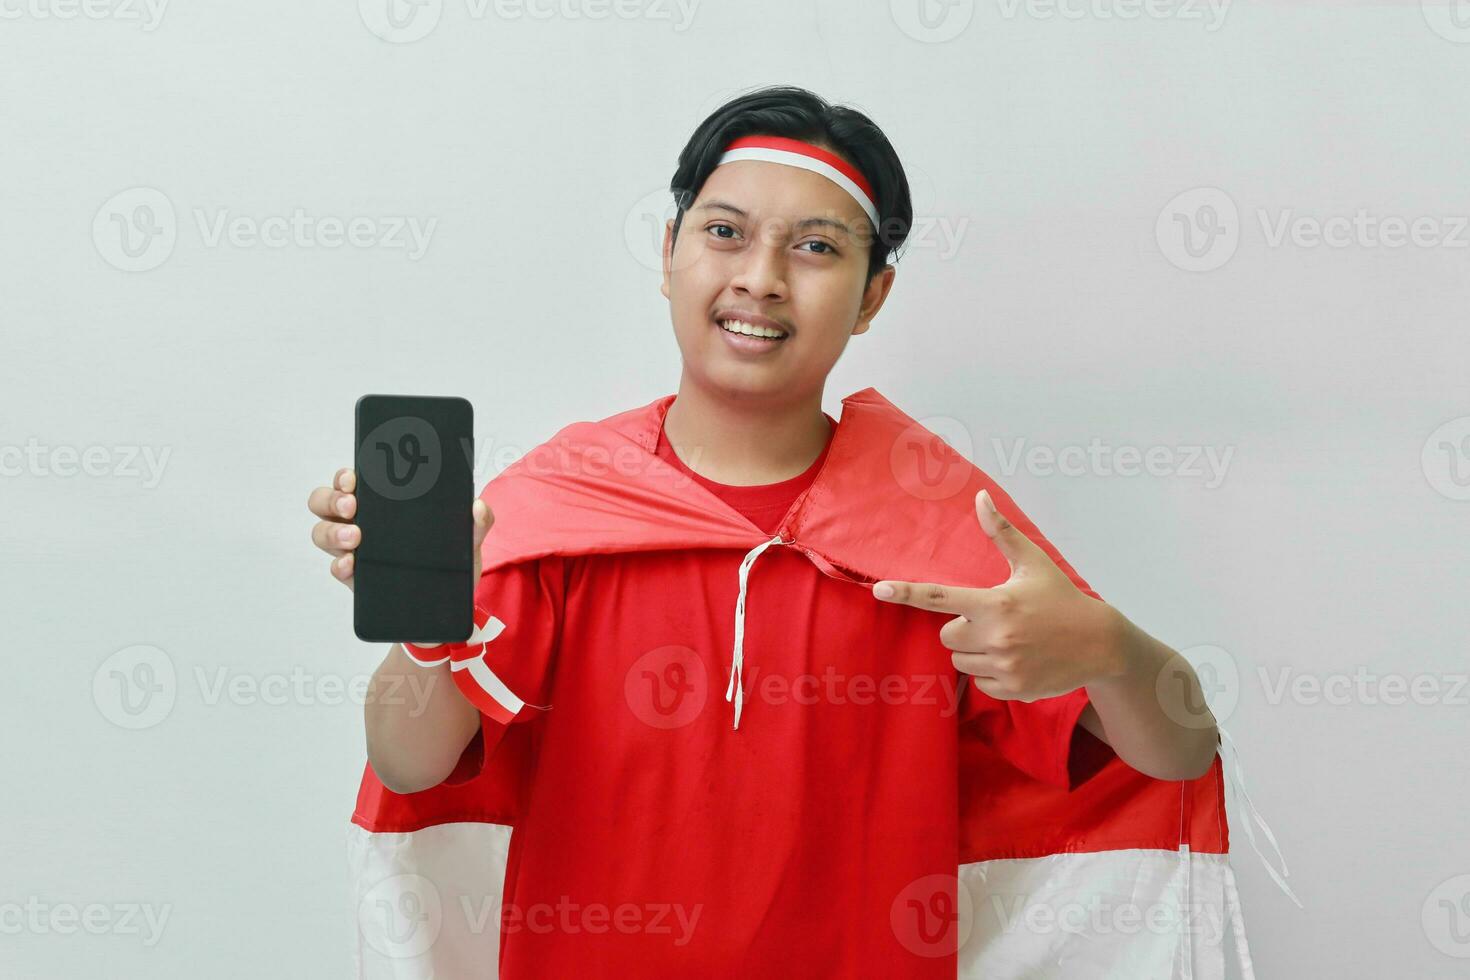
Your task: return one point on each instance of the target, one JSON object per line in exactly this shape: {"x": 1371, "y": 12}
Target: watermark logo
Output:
{"x": 933, "y": 916}
{"x": 1363, "y": 229}
{"x": 932, "y": 21}
{"x": 645, "y": 224}
{"x": 39, "y": 918}
{"x": 401, "y": 916}
{"x": 1191, "y": 462}
{"x": 406, "y": 21}
{"x": 1102, "y": 915}
{"x": 400, "y": 459}
{"x": 1446, "y": 917}
{"x": 678, "y": 13}
{"x": 400, "y": 21}
{"x": 667, "y": 687}
{"x": 1450, "y": 19}
{"x": 303, "y": 230}
{"x": 1446, "y": 459}
{"x": 118, "y": 462}
{"x": 135, "y": 230}
{"x": 644, "y": 229}
{"x": 148, "y": 14}
{"x": 834, "y": 687}
{"x": 1219, "y": 682}
{"x": 568, "y": 917}
{"x": 558, "y": 458}
{"x": 136, "y": 687}
{"x": 1365, "y": 687}
{"x": 1210, "y": 12}
{"x": 1199, "y": 230}
{"x": 930, "y": 468}
{"x": 484, "y": 912}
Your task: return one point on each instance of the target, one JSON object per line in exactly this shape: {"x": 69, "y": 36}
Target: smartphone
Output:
{"x": 414, "y": 562}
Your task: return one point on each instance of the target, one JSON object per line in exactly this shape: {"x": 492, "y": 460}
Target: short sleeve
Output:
{"x": 1036, "y": 737}
{"x": 505, "y": 668}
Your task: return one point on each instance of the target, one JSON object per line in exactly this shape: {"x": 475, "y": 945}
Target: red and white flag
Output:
{"x": 1120, "y": 876}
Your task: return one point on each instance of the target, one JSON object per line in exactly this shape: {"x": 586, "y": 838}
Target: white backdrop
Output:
{"x": 1231, "y": 233}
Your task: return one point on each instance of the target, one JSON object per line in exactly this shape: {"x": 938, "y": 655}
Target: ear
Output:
{"x": 873, "y": 296}
{"x": 668, "y": 255}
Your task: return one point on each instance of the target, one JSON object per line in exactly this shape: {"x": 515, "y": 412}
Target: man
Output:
{"x": 659, "y": 832}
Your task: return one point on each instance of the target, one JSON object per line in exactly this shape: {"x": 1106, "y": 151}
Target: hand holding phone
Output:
{"x": 414, "y": 561}
{"x": 338, "y": 536}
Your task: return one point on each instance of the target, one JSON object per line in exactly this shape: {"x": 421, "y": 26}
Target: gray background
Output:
{"x": 1050, "y": 148}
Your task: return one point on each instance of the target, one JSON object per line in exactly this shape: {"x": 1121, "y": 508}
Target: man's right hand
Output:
{"x": 339, "y": 537}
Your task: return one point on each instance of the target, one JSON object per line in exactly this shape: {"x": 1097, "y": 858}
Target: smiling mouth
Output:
{"x": 739, "y": 328}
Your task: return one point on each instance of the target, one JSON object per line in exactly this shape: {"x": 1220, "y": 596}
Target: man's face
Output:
{"x": 775, "y": 242}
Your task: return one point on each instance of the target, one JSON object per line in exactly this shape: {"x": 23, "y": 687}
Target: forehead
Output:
{"x": 769, "y": 191}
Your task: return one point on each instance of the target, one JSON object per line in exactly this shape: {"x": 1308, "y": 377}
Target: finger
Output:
{"x": 1018, "y": 550}
{"x": 346, "y": 480}
{"x": 484, "y": 519}
{"x": 336, "y": 538}
{"x": 927, "y": 595}
{"x": 976, "y": 664}
{"x": 332, "y": 504}
{"x": 995, "y": 688}
{"x": 343, "y": 568}
{"x": 988, "y": 606}
{"x": 961, "y": 634}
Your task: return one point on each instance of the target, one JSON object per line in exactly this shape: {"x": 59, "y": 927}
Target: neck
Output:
{"x": 745, "y": 442}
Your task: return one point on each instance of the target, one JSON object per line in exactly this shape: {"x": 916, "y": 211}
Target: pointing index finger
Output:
{"x": 926, "y": 595}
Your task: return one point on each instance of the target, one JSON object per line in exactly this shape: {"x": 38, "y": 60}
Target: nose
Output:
{"x": 762, "y": 275}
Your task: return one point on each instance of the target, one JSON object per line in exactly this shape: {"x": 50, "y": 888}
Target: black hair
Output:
{"x": 796, "y": 113}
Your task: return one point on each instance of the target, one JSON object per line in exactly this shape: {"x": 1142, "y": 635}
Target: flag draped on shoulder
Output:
{"x": 1123, "y": 875}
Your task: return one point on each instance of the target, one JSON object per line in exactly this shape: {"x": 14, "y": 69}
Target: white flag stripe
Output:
{"x": 770, "y": 155}
{"x": 414, "y": 655}
{"x": 490, "y": 684}
{"x": 484, "y": 634}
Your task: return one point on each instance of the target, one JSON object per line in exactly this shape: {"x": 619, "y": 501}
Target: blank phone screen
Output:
{"x": 414, "y": 460}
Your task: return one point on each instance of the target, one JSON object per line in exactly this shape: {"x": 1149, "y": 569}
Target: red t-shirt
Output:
{"x": 655, "y": 841}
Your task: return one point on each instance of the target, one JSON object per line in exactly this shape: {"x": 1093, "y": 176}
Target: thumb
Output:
{"x": 1009, "y": 541}
{"x": 484, "y": 519}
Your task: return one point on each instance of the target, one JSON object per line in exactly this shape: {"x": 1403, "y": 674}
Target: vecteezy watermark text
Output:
{"x": 406, "y": 21}
{"x": 1099, "y": 459}
{"x": 120, "y": 462}
{"x": 137, "y": 687}
{"x": 146, "y": 13}
{"x": 36, "y": 917}
{"x": 137, "y": 229}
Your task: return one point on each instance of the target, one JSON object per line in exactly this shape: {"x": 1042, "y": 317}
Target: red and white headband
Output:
{"x": 795, "y": 153}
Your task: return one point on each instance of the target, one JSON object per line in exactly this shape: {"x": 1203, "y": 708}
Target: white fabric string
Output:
{"x": 1235, "y": 774}
{"x": 1186, "y": 916}
{"x": 737, "y": 661}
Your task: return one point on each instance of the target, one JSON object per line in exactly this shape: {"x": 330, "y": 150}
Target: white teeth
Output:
{"x": 750, "y": 330}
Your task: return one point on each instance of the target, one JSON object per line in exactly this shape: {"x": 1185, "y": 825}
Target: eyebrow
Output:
{"x": 803, "y": 223}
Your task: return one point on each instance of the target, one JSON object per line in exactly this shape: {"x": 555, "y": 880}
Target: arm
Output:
{"x": 418, "y": 723}
{"x": 1038, "y": 636}
{"x": 1150, "y": 707}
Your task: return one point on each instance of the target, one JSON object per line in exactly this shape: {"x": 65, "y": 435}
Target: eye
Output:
{"x": 721, "y": 225}
{"x": 830, "y": 250}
